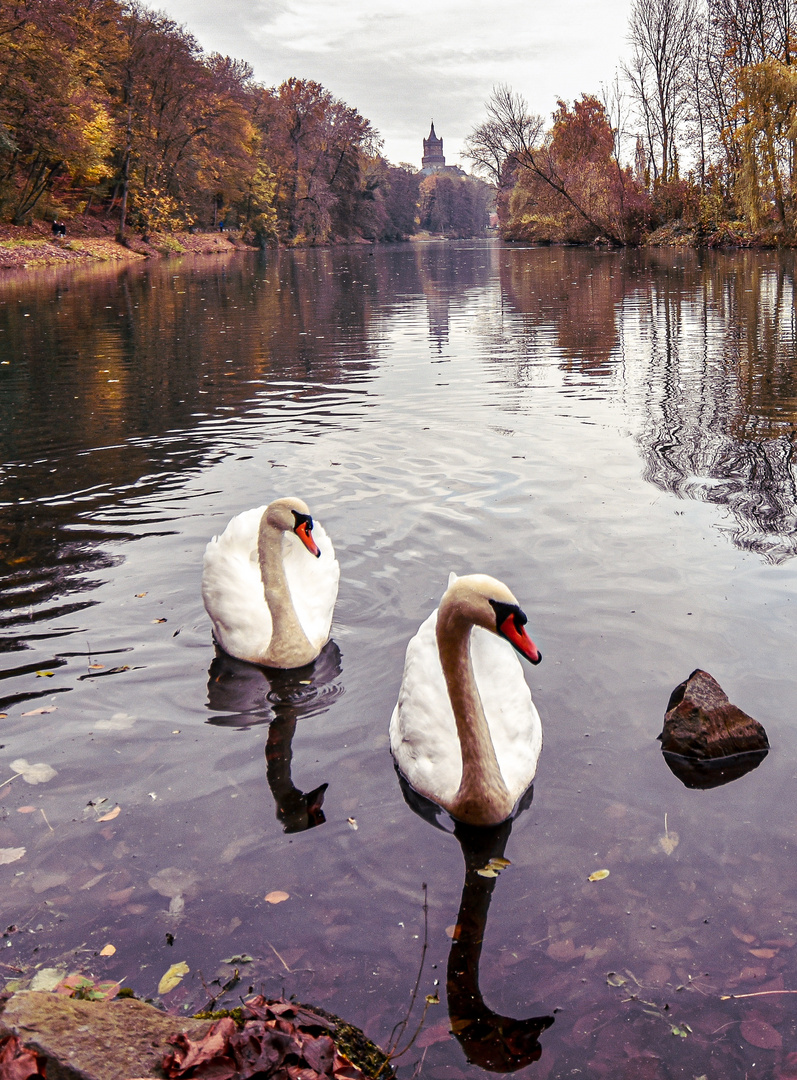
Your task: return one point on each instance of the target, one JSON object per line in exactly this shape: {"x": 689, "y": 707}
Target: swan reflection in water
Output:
{"x": 243, "y": 695}
{"x": 497, "y": 1043}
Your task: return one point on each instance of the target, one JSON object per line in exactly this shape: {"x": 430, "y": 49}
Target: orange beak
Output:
{"x": 303, "y": 531}
{"x": 517, "y": 636}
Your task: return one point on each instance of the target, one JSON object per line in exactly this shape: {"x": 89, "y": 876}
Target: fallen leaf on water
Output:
{"x": 669, "y": 842}
{"x": 33, "y": 774}
{"x": 598, "y": 875}
{"x": 243, "y": 958}
{"x": 4, "y": 715}
{"x": 96, "y": 667}
{"x": 39, "y": 712}
{"x": 761, "y": 1034}
{"x": 173, "y": 977}
{"x": 10, "y": 854}
{"x": 352, "y": 822}
{"x": 111, "y": 814}
{"x": 487, "y": 872}
{"x": 453, "y": 931}
{"x": 748, "y": 939}
{"x": 44, "y": 674}
{"x": 107, "y": 950}
{"x": 159, "y": 620}
{"x": 276, "y": 897}
{"x": 140, "y": 594}
{"x": 432, "y": 999}
{"x": 498, "y": 863}
{"x": 681, "y": 1030}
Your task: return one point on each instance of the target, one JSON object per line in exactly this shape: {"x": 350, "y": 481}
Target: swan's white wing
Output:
{"x": 313, "y": 583}
{"x": 423, "y": 732}
{"x": 232, "y": 589}
{"x": 513, "y": 720}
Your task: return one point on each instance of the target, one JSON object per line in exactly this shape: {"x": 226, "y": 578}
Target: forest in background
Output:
{"x": 706, "y": 111}
{"x": 110, "y": 109}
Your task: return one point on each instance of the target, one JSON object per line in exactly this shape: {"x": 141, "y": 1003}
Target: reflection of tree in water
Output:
{"x": 568, "y": 299}
{"x": 444, "y": 271}
{"x": 242, "y": 695}
{"x": 719, "y": 397}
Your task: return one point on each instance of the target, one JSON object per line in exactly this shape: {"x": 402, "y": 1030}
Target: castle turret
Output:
{"x": 432, "y": 153}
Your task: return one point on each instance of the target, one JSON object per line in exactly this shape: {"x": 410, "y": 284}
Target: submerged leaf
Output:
{"x": 276, "y": 897}
{"x": 33, "y": 774}
{"x": 669, "y": 842}
{"x": 761, "y": 1034}
{"x": 10, "y": 854}
{"x": 613, "y": 979}
{"x": 173, "y": 977}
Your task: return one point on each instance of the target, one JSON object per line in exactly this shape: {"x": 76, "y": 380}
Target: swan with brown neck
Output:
{"x": 465, "y": 732}
{"x": 269, "y": 584}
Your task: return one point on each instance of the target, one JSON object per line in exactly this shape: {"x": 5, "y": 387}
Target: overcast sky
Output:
{"x": 404, "y": 62}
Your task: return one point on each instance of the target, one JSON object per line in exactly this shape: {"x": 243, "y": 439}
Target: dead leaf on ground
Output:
{"x": 173, "y": 977}
{"x": 276, "y": 897}
{"x": 17, "y": 1062}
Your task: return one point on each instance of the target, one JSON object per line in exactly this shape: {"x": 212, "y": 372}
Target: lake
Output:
{"x": 612, "y": 434}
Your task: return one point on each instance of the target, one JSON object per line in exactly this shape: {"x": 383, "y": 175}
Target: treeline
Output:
{"x": 110, "y": 108}
{"x": 704, "y": 115}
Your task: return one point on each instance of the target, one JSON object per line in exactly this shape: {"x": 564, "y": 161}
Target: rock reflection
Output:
{"x": 494, "y": 1042}
{"x": 243, "y": 695}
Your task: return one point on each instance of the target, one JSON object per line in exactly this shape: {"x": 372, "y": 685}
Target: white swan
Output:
{"x": 269, "y": 599}
{"x": 465, "y": 732}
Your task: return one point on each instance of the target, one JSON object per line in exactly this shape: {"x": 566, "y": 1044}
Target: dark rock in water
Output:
{"x": 706, "y": 740}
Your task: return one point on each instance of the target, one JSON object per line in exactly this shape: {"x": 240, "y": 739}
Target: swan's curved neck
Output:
{"x": 289, "y": 646}
{"x": 482, "y": 797}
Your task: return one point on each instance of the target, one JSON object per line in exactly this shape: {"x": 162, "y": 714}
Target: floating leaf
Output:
{"x": 669, "y": 842}
{"x": 111, "y": 814}
{"x": 40, "y": 712}
{"x": 276, "y": 897}
{"x": 107, "y": 950}
{"x": 173, "y": 977}
{"x": 598, "y": 875}
{"x": 33, "y": 774}
{"x": 10, "y": 854}
{"x": 761, "y": 1034}
{"x": 432, "y": 999}
{"x": 487, "y": 871}
{"x": 140, "y": 594}
{"x": 159, "y": 620}
{"x": 352, "y": 822}
{"x": 498, "y": 864}
{"x": 681, "y": 1030}
{"x": 44, "y": 674}
{"x": 453, "y": 931}
{"x": 244, "y": 958}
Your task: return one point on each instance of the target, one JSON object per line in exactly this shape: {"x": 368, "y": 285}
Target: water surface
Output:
{"x": 610, "y": 434}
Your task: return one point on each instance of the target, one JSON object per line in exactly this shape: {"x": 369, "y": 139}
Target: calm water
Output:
{"x": 610, "y": 434}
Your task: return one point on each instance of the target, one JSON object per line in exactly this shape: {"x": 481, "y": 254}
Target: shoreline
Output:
{"x": 88, "y": 242}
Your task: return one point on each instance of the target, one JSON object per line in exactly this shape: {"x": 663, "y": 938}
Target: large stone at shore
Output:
{"x": 701, "y": 722}
{"x": 94, "y": 1040}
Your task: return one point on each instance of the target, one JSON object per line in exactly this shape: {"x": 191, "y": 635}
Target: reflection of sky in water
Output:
{"x": 617, "y": 450}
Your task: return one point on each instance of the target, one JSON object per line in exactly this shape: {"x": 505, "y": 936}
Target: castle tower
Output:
{"x": 432, "y": 153}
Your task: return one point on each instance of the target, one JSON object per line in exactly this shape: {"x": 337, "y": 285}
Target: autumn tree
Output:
{"x": 661, "y": 35}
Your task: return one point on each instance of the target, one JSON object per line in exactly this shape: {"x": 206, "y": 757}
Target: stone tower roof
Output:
{"x": 433, "y": 152}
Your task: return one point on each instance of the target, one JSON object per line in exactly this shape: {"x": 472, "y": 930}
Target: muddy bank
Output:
{"x": 92, "y": 241}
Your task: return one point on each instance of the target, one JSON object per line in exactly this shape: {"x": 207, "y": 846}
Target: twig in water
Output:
{"x": 14, "y": 777}
{"x": 49, "y": 826}
{"x": 758, "y": 993}
{"x": 392, "y": 1050}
